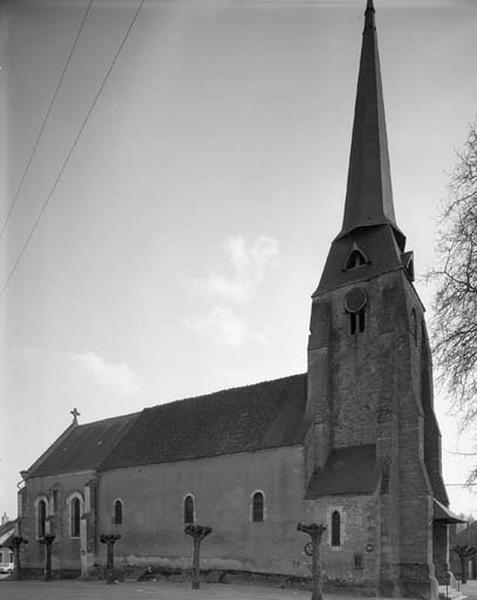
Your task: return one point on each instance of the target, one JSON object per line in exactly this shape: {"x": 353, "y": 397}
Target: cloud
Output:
{"x": 223, "y": 326}
{"x": 248, "y": 264}
{"x": 118, "y": 377}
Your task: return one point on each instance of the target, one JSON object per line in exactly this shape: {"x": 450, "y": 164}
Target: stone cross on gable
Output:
{"x": 75, "y": 414}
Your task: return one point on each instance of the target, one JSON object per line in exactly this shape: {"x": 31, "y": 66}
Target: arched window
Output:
{"x": 41, "y": 518}
{"x": 355, "y": 303}
{"x": 335, "y": 528}
{"x": 258, "y": 505}
{"x": 76, "y": 506}
{"x": 118, "y": 512}
{"x": 189, "y": 509}
{"x": 357, "y": 321}
{"x": 361, "y": 320}
{"x": 355, "y": 259}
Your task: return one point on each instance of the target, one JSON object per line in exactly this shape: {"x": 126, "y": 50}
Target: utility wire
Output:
{"x": 45, "y": 120}
{"x": 462, "y": 484}
{"x": 70, "y": 152}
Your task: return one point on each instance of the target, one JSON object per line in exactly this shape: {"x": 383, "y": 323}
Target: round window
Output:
{"x": 355, "y": 300}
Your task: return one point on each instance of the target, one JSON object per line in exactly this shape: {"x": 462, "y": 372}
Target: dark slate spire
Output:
{"x": 369, "y": 15}
{"x": 369, "y": 199}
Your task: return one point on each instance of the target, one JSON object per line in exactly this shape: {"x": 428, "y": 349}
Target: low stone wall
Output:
{"x": 35, "y": 573}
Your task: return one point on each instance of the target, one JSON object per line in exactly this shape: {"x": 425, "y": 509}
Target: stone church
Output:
{"x": 353, "y": 443}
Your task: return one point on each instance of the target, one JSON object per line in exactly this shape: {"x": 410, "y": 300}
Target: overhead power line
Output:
{"x": 45, "y": 120}
{"x": 462, "y": 484}
{"x": 71, "y": 150}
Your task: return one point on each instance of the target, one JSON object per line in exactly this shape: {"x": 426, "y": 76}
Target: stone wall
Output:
{"x": 69, "y": 554}
{"x": 379, "y": 390}
{"x": 353, "y": 563}
{"x": 153, "y": 526}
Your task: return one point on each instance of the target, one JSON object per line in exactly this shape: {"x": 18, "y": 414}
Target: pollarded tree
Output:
{"x": 455, "y": 304}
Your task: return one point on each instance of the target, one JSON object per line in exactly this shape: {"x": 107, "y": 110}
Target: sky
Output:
{"x": 175, "y": 251}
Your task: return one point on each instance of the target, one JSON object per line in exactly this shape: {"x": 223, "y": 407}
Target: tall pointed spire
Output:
{"x": 369, "y": 15}
{"x": 369, "y": 199}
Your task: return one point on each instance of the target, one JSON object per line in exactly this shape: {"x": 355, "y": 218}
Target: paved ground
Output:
{"x": 88, "y": 590}
{"x": 470, "y": 589}
{"x": 93, "y": 590}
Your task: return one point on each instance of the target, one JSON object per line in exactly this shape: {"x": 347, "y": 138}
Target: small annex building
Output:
{"x": 7, "y": 531}
{"x": 353, "y": 443}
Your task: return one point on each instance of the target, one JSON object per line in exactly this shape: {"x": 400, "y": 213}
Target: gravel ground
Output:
{"x": 93, "y": 590}
{"x": 134, "y": 590}
{"x": 87, "y": 590}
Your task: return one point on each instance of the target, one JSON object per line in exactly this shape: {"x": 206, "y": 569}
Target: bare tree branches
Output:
{"x": 464, "y": 553}
{"x": 454, "y": 328}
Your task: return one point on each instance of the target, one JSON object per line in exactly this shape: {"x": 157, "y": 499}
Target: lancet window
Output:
{"x": 189, "y": 509}
{"x": 75, "y": 503}
{"x": 118, "y": 512}
{"x": 258, "y": 507}
{"x": 41, "y": 518}
{"x": 335, "y": 528}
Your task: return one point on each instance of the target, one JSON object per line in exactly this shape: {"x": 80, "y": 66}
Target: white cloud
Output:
{"x": 118, "y": 377}
{"x": 224, "y": 327}
{"x": 221, "y": 325}
{"x": 248, "y": 264}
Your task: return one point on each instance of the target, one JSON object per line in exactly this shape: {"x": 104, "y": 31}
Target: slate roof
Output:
{"x": 7, "y": 531}
{"x": 349, "y": 470}
{"x": 84, "y": 448}
{"x": 244, "y": 419}
{"x": 444, "y": 514}
{"x": 369, "y": 197}
{"x": 378, "y": 244}
{"x": 264, "y": 415}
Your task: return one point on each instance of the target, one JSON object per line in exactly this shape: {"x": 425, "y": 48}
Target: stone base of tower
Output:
{"x": 418, "y": 581}
{"x": 388, "y": 587}
{"x": 408, "y": 580}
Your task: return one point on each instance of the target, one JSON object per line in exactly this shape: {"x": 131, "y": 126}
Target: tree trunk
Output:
{"x": 110, "y": 563}
{"x": 463, "y": 569}
{"x": 315, "y": 531}
{"x": 317, "y": 593}
{"x": 195, "y": 564}
{"x": 48, "y": 561}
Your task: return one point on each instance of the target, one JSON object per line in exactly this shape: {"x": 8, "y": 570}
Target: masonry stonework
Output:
{"x": 353, "y": 562}
{"x": 70, "y": 554}
{"x": 222, "y": 487}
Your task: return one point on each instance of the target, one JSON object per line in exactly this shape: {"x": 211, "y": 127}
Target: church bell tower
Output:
{"x": 369, "y": 371}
